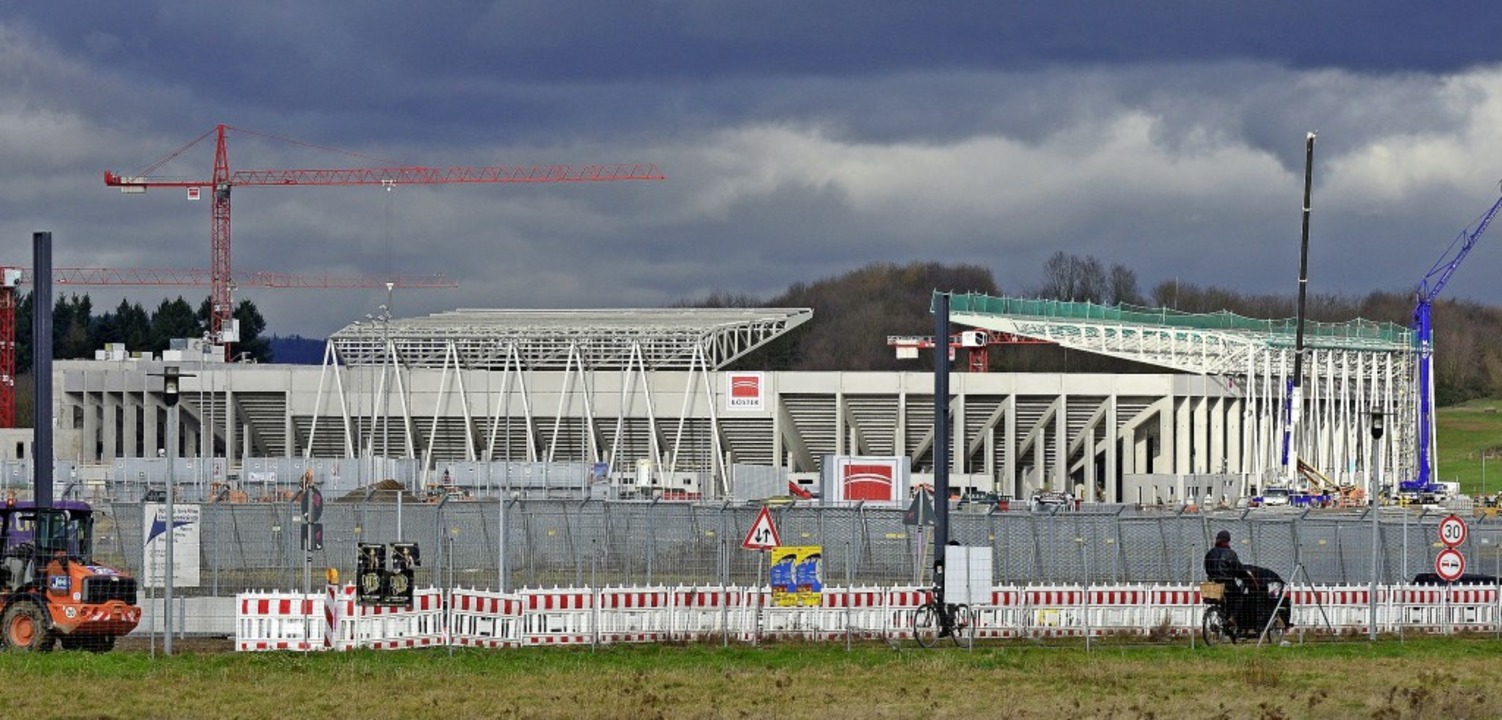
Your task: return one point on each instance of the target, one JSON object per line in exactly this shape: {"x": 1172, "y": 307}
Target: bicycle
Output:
{"x": 933, "y": 621}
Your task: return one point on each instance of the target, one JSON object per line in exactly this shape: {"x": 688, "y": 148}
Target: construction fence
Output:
{"x": 511, "y": 543}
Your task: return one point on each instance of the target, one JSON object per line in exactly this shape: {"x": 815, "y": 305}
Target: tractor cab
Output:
{"x": 66, "y": 528}
{"x": 31, "y": 536}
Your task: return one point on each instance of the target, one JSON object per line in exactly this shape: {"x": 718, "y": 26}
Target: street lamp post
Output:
{"x": 171, "y": 382}
{"x": 1376, "y": 486}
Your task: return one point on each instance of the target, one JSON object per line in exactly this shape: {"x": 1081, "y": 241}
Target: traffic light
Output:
{"x": 312, "y": 536}
{"x": 312, "y": 505}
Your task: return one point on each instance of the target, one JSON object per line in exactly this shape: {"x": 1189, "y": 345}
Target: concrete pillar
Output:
{"x": 89, "y": 433}
{"x": 959, "y": 435}
{"x": 231, "y": 436}
{"x": 1218, "y": 462}
{"x": 1061, "y": 446}
{"x": 1113, "y": 458}
{"x": 151, "y": 425}
{"x": 110, "y": 425}
{"x": 1009, "y": 448}
{"x": 1199, "y": 445}
{"x": 1164, "y": 461}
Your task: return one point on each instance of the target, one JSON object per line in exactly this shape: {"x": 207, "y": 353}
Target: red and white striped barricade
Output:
{"x": 859, "y": 611}
{"x": 902, "y": 608}
{"x": 1001, "y": 618}
{"x": 482, "y": 618}
{"x": 1056, "y": 610}
{"x": 1423, "y": 608}
{"x": 634, "y": 615}
{"x": 333, "y": 612}
{"x": 1472, "y": 608}
{"x": 278, "y": 621}
{"x": 1446, "y": 609}
{"x": 787, "y": 620}
{"x": 561, "y": 616}
{"x": 1128, "y": 609}
{"x": 1347, "y": 608}
{"x": 1179, "y": 606}
{"x": 386, "y": 627}
{"x": 706, "y": 611}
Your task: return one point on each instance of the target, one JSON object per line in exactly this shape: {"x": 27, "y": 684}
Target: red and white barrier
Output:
{"x": 634, "y": 615}
{"x": 1056, "y": 610}
{"x": 705, "y": 612}
{"x": 902, "y": 608}
{"x": 481, "y": 618}
{"x": 383, "y": 627}
{"x": 860, "y": 611}
{"x": 561, "y": 616}
{"x": 570, "y": 616}
{"x": 278, "y": 621}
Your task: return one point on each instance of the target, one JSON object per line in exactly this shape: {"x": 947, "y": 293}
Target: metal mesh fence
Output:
{"x": 518, "y": 543}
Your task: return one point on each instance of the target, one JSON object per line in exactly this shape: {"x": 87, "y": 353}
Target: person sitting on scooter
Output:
{"x": 1223, "y": 566}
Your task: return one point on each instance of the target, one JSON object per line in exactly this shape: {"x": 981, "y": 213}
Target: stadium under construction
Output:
{"x": 644, "y": 403}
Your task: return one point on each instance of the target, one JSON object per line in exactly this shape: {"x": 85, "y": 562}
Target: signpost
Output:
{"x": 762, "y": 536}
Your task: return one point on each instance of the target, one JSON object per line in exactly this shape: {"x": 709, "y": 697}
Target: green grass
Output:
{"x": 1426, "y": 677}
{"x": 1465, "y": 433}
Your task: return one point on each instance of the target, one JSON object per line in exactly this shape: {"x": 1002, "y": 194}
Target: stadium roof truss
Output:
{"x": 1204, "y": 343}
{"x": 652, "y": 339}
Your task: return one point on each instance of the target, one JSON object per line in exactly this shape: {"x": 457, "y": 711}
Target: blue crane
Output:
{"x": 1423, "y": 334}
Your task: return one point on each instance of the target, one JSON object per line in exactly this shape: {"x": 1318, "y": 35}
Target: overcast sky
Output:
{"x": 800, "y": 140}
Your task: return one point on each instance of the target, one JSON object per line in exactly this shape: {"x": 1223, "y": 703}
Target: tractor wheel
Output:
{"x": 25, "y": 627}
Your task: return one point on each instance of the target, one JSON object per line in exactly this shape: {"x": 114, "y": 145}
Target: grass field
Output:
{"x": 1451, "y": 678}
{"x": 1466, "y": 434}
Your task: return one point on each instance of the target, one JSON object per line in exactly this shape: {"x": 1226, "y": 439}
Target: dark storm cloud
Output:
{"x": 801, "y": 140}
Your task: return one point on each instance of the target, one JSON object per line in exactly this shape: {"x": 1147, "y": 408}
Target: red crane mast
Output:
{"x": 224, "y": 180}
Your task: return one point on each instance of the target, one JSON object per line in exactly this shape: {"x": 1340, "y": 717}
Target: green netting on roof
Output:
{"x": 1363, "y": 333}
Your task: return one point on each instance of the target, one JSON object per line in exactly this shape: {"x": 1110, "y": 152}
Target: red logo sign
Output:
{"x": 744, "y": 391}
{"x": 868, "y": 482}
{"x": 745, "y": 386}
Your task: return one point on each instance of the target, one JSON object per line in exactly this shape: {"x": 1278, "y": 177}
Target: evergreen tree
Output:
{"x": 252, "y": 324}
{"x": 173, "y": 319}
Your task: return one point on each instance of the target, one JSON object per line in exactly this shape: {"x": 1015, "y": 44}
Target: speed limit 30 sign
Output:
{"x": 1452, "y": 531}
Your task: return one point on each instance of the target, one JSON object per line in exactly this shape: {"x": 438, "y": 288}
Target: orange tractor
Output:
{"x": 51, "y": 591}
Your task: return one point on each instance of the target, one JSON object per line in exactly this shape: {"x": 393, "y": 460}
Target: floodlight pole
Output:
{"x": 41, "y": 363}
{"x": 941, "y": 440}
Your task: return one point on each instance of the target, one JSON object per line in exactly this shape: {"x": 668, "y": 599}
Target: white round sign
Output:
{"x": 1449, "y": 565}
{"x": 1452, "y": 531}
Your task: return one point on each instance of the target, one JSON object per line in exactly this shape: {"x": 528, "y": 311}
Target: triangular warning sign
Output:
{"x": 763, "y": 534}
{"x": 920, "y": 512}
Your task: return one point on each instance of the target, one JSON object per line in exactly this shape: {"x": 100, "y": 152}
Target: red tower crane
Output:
{"x": 11, "y": 277}
{"x": 223, "y": 181}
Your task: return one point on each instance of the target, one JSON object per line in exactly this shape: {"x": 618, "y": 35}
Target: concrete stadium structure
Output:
{"x": 647, "y": 393}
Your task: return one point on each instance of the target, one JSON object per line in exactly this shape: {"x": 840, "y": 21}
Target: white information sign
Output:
{"x": 184, "y": 530}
